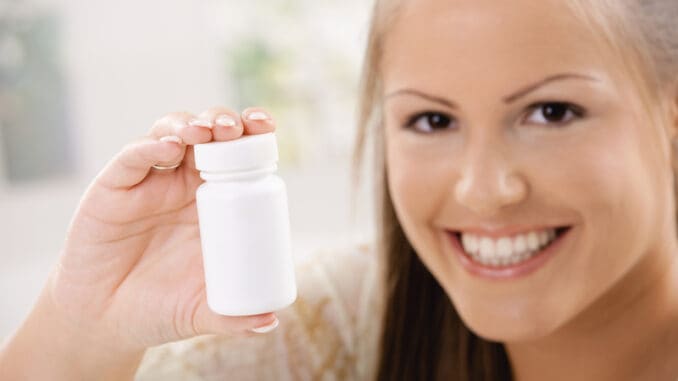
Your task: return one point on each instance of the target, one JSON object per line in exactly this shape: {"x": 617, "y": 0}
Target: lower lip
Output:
{"x": 514, "y": 271}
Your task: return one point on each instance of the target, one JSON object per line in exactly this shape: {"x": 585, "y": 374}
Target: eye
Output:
{"x": 558, "y": 113}
{"x": 428, "y": 122}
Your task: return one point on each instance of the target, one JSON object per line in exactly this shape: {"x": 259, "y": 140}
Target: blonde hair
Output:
{"x": 643, "y": 34}
{"x": 419, "y": 322}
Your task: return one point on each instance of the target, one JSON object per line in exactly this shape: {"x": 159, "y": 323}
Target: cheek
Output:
{"x": 596, "y": 171}
{"x": 602, "y": 179}
{"x": 605, "y": 184}
{"x": 419, "y": 186}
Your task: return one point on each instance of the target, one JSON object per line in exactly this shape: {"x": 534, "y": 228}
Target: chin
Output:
{"x": 502, "y": 328}
{"x": 512, "y": 334}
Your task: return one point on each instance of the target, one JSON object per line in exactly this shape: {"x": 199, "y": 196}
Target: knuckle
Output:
{"x": 252, "y": 109}
{"x": 213, "y": 111}
{"x": 129, "y": 149}
{"x": 169, "y": 117}
{"x": 159, "y": 121}
{"x": 179, "y": 116}
{"x": 255, "y": 107}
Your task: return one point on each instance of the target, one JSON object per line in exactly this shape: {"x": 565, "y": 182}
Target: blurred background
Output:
{"x": 81, "y": 78}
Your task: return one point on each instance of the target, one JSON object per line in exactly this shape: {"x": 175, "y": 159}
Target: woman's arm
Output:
{"x": 47, "y": 348}
{"x": 131, "y": 275}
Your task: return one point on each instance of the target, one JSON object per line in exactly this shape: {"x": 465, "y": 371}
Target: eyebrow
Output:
{"x": 507, "y": 99}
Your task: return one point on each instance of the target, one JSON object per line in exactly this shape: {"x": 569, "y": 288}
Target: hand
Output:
{"x": 131, "y": 270}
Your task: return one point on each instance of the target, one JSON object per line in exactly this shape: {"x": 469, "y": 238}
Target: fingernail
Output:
{"x": 172, "y": 138}
{"x": 225, "y": 121}
{"x": 266, "y": 328}
{"x": 257, "y": 115}
{"x": 200, "y": 123}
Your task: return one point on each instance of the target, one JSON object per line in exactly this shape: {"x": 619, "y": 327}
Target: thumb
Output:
{"x": 206, "y": 321}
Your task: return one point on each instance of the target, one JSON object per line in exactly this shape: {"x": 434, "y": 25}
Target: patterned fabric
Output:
{"x": 329, "y": 333}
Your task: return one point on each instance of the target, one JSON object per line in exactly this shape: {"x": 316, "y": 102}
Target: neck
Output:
{"x": 630, "y": 333}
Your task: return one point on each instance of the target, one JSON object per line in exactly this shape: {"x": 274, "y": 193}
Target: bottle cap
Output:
{"x": 246, "y": 152}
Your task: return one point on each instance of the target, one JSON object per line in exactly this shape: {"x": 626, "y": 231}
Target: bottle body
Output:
{"x": 246, "y": 245}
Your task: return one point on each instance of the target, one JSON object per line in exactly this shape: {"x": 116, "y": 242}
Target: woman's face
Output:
{"x": 508, "y": 117}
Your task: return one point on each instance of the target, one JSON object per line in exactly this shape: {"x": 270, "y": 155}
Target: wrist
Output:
{"x": 62, "y": 351}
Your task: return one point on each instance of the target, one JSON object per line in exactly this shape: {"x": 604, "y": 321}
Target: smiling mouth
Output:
{"x": 508, "y": 251}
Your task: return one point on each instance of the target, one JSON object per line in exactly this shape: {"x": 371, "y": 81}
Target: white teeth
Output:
{"x": 532, "y": 241}
{"x": 487, "y": 247}
{"x": 520, "y": 243}
{"x": 470, "y": 243}
{"x": 506, "y": 250}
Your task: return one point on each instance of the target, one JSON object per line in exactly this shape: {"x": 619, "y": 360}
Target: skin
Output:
{"x": 130, "y": 275}
{"x": 606, "y": 306}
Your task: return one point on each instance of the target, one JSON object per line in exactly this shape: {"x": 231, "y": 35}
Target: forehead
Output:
{"x": 436, "y": 42}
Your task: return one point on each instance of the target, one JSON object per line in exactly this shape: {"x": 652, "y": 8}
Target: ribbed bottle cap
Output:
{"x": 249, "y": 151}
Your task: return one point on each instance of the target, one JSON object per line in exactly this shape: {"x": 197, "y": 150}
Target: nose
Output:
{"x": 489, "y": 181}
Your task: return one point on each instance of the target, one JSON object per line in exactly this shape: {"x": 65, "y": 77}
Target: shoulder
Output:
{"x": 343, "y": 277}
{"x": 337, "y": 312}
{"x": 329, "y": 331}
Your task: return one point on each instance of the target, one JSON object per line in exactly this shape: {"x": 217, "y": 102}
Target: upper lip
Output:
{"x": 504, "y": 231}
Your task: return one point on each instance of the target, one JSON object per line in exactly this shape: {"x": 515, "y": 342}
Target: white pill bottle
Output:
{"x": 244, "y": 226}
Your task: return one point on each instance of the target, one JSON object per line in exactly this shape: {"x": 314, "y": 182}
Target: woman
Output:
{"x": 528, "y": 216}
